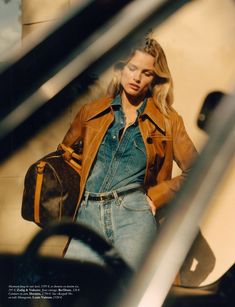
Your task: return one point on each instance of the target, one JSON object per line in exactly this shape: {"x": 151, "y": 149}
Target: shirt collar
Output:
{"x": 118, "y": 102}
{"x": 148, "y": 108}
{"x": 142, "y": 107}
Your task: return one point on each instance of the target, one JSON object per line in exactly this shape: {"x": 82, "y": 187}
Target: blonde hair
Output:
{"x": 162, "y": 87}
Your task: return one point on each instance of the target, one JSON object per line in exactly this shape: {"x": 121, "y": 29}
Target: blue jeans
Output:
{"x": 125, "y": 221}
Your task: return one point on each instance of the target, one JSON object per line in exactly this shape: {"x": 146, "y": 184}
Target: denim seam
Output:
{"x": 108, "y": 225}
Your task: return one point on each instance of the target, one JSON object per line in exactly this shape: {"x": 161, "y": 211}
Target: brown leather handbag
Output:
{"x": 51, "y": 186}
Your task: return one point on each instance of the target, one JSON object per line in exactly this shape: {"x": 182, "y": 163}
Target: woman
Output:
{"x": 130, "y": 139}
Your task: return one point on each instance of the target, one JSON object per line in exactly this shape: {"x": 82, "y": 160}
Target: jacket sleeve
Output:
{"x": 184, "y": 153}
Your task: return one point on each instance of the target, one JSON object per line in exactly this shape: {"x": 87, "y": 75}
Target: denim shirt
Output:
{"x": 119, "y": 162}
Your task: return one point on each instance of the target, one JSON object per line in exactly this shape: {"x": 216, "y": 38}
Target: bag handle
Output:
{"x": 80, "y": 232}
{"x": 69, "y": 152}
{"x": 69, "y": 155}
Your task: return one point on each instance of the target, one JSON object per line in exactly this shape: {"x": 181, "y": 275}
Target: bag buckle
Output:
{"x": 40, "y": 167}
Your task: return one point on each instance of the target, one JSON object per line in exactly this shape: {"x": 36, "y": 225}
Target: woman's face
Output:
{"x": 137, "y": 75}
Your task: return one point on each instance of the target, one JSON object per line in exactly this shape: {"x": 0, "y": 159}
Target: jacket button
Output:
{"x": 143, "y": 117}
{"x": 149, "y": 140}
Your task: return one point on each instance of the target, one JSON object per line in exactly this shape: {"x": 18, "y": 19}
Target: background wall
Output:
{"x": 39, "y": 14}
{"x": 10, "y": 29}
{"x": 200, "y": 45}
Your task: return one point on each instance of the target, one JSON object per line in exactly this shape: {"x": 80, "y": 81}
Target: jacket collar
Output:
{"x": 151, "y": 110}
{"x": 154, "y": 114}
{"x": 99, "y": 106}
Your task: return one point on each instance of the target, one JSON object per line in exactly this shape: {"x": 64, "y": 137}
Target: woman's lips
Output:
{"x": 134, "y": 86}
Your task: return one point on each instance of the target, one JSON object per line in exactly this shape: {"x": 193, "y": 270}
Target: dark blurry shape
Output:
{"x": 210, "y": 103}
{"x": 198, "y": 264}
{"x": 44, "y": 115}
{"x": 218, "y": 294}
{"x": 200, "y": 260}
{"x": 51, "y": 53}
{"x": 61, "y": 282}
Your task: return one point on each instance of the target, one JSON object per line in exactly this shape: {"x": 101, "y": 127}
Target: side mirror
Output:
{"x": 211, "y": 102}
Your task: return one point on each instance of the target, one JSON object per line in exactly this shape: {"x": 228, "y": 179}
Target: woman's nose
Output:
{"x": 137, "y": 77}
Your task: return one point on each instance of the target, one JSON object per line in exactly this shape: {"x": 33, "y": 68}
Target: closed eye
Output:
{"x": 149, "y": 73}
{"x": 132, "y": 67}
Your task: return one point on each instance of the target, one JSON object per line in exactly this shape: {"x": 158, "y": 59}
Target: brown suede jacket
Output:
{"x": 165, "y": 140}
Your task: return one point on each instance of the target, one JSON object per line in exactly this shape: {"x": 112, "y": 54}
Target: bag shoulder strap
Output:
{"x": 38, "y": 188}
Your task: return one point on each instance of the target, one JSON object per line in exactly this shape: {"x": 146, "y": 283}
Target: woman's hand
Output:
{"x": 151, "y": 205}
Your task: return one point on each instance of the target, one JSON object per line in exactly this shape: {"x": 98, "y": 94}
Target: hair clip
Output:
{"x": 148, "y": 37}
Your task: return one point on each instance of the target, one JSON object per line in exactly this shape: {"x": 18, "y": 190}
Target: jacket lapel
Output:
{"x": 156, "y": 116}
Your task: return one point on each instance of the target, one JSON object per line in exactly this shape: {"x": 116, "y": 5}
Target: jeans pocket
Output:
{"x": 136, "y": 201}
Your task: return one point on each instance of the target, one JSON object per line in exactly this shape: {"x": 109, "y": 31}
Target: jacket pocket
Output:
{"x": 160, "y": 144}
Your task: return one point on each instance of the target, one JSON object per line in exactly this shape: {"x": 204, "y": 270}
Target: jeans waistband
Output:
{"x": 114, "y": 193}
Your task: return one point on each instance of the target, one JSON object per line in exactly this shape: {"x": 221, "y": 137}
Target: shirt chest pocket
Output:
{"x": 135, "y": 155}
{"x": 139, "y": 145}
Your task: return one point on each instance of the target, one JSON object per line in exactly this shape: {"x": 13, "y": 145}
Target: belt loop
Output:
{"x": 115, "y": 194}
